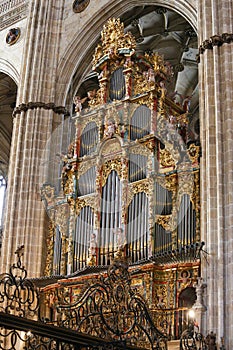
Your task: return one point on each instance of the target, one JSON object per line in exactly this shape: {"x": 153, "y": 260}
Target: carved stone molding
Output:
{"x": 11, "y": 13}
{"x": 24, "y": 107}
{"x": 215, "y": 40}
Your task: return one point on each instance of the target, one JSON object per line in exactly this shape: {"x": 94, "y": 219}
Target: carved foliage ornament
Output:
{"x": 113, "y": 39}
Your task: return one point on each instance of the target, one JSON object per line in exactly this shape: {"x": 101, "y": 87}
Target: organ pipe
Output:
{"x": 140, "y": 123}
{"x": 57, "y": 251}
{"x": 84, "y": 229}
{"x": 89, "y": 139}
{"x": 110, "y": 216}
{"x": 117, "y": 85}
{"x": 186, "y": 222}
{"x": 138, "y": 227}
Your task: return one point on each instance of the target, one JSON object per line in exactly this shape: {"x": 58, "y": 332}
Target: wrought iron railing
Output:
{"x": 191, "y": 339}
{"x": 185, "y": 253}
{"x": 110, "y": 315}
{"x": 111, "y": 309}
{"x": 33, "y": 335}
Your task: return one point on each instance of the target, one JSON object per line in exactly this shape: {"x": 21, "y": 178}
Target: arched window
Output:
{"x": 186, "y": 300}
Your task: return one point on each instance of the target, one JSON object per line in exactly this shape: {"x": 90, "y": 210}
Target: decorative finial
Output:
{"x": 20, "y": 251}
{"x": 113, "y": 41}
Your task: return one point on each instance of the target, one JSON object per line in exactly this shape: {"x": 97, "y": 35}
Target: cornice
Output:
{"x": 10, "y": 14}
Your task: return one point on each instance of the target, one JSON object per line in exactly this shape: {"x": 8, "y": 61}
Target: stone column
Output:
{"x": 216, "y": 105}
{"x": 34, "y": 117}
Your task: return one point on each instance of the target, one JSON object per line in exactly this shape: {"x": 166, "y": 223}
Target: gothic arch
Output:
{"x": 7, "y": 68}
{"x": 80, "y": 64}
{"x": 8, "y": 92}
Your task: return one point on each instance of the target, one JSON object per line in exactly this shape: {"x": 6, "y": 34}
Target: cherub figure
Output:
{"x": 110, "y": 128}
{"x": 151, "y": 75}
{"x": 78, "y": 101}
{"x": 120, "y": 238}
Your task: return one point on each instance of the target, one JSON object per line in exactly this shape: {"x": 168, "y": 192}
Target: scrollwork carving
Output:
{"x": 110, "y": 165}
{"x": 169, "y": 182}
{"x": 194, "y": 153}
{"x": 90, "y": 201}
{"x": 139, "y": 186}
{"x": 166, "y": 158}
{"x": 165, "y": 221}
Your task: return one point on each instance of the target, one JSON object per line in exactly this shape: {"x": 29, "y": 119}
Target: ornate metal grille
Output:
{"x": 110, "y": 314}
{"x": 111, "y": 309}
{"x": 17, "y": 294}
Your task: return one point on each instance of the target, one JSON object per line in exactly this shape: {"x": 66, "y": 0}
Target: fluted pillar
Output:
{"x": 34, "y": 117}
{"x": 216, "y": 105}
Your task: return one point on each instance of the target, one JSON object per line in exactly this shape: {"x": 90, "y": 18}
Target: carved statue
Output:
{"x": 110, "y": 128}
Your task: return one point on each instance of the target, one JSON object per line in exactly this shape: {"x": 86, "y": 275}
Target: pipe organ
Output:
{"x": 130, "y": 171}
{"x": 133, "y": 181}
